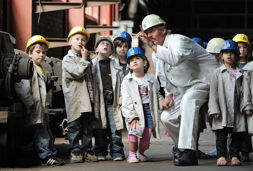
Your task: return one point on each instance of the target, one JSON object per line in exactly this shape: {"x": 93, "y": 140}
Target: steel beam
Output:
{"x": 61, "y": 42}
{"x": 96, "y": 28}
{"x": 48, "y": 6}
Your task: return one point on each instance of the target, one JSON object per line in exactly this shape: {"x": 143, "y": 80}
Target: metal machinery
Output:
{"x": 15, "y": 138}
{"x": 14, "y": 66}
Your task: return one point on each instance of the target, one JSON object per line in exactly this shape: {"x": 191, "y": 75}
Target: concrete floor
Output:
{"x": 159, "y": 154}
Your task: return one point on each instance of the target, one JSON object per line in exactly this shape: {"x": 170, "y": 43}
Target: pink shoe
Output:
{"x": 166, "y": 133}
{"x": 142, "y": 157}
{"x": 132, "y": 157}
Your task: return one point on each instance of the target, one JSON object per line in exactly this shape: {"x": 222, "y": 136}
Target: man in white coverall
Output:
{"x": 187, "y": 68}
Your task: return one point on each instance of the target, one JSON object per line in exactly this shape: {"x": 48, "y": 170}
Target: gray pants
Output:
{"x": 182, "y": 119}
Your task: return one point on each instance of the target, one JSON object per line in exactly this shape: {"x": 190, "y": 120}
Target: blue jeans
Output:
{"x": 110, "y": 136}
{"x": 44, "y": 139}
{"x": 147, "y": 116}
{"x": 81, "y": 128}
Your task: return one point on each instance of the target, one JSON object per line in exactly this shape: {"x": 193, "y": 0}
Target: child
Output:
{"x": 214, "y": 47}
{"x": 199, "y": 41}
{"x": 224, "y": 105}
{"x": 247, "y": 105}
{"x": 107, "y": 76}
{"x": 139, "y": 104}
{"x": 245, "y": 56}
{"x": 78, "y": 93}
{"x": 122, "y": 43}
{"x": 244, "y": 49}
{"x": 33, "y": 93}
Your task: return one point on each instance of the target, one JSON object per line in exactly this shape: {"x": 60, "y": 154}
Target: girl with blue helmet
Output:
{"x": 224, "y": 105}
{"x": 122, "y": 43}
{"x": 139, "y": 91}
{"x": 135, "y": 51}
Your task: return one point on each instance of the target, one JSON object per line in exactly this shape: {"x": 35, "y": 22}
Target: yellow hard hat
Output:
{"x": 241, "y": 38}
{"x": 78, "y": 29}
{"x": 36, "y": 39}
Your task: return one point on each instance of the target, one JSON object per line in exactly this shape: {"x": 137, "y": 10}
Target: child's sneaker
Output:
{"x": 76, "y": 157}
{"x": 52, "y": 161}
{"x": 142, "y": 157}
{"x": 245, "y": 157}
{"x": 119, "y": 158}
{"x": 235, "y": 161}
{"x": 90, "y": 157}
{"x": 101, "y": 158}
{"x": 132, "y": 158}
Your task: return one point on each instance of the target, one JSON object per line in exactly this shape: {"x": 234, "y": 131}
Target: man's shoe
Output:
{"x": 52, "y": 161}
{"x": 76, "y": 157}
{"x": 188, "y": 158}
{"x": 202, "y": 155}
{"x": 176, "y": 152}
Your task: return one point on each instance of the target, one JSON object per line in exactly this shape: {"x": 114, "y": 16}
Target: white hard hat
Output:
{"x": 214, "y": 45}
{"x": 151, "y": 21}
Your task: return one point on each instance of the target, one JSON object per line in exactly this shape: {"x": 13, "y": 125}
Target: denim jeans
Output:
{"x": 110, "y": 136}
{"x": 147, "y": 116}
{"x": 81, "y": 128}
{"x": 44, "y": 139}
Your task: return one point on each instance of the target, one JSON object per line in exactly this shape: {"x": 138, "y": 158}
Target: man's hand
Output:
{"x": 248, "y": 112}
{"x": 85, "y": 53}
{"x": 168, "y": 102}
{"x": 144, "y": 38}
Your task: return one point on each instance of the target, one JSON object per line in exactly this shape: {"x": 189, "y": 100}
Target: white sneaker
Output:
{"x": 142, "y": 157}
{"x": 101, "y": 158}
{"x": 76, "y": 157}
{"x": 132, "y": 158}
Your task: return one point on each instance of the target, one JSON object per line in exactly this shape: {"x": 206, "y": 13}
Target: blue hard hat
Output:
{"x": 125, "y": 36}
{"x": 230, "y": 45}
{"x": 198, "y": 40}
{"x": 134, "y": 51}
{"x": 205, "y": 44}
